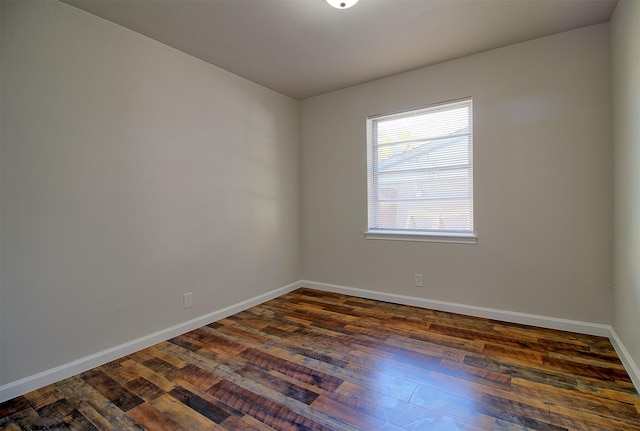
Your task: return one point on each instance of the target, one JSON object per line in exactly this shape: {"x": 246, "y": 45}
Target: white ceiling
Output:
{"x": 303, "y": 48}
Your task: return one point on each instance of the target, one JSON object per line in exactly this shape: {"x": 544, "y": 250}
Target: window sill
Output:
{"x": 446, "y": 237}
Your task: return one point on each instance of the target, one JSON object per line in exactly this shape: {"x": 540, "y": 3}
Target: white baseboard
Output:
{"x": 625, "y": 357}
{"x": 490, "y": 313}
{"x": 36, "y": 381}
{"x": 469, "y": 310}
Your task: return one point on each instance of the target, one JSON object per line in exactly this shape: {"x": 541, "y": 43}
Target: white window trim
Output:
{"x": 417, "y": 236}
{"x": 412, "y": 235}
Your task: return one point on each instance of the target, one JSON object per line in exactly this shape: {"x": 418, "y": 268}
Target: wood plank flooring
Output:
{"x": 313, "y": 360}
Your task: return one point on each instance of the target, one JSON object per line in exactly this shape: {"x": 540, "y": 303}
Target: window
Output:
{"x": 420, "y": 174}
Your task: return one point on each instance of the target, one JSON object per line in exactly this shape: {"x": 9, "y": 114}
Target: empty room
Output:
{"x": 320, "y": 215}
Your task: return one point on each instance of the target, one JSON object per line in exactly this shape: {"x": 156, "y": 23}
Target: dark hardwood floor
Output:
{"x": 313, "y": 360}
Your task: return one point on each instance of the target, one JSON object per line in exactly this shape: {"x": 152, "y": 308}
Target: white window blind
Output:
{"x": 420, "y": 171}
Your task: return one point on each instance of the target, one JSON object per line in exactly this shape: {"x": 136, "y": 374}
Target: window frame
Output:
{"x": 422, "y": 235}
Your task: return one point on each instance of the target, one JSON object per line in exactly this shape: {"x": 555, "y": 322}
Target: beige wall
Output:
{"x": 131, "y": 173}
{"x": 543, "y": 182}
{"x": 625, "y": 49}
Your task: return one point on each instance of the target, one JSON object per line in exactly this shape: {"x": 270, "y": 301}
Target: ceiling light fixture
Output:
{"x": 342, "y": 4}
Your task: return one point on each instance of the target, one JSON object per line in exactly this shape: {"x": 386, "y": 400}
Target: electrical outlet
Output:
{"x": 187, "y": 300}
{"x": 417, "y": 278}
